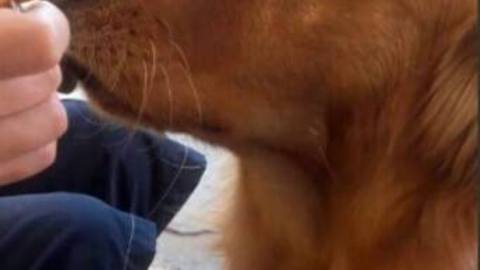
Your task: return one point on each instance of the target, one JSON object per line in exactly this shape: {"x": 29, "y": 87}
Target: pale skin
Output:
{"x": 32, "y": 118}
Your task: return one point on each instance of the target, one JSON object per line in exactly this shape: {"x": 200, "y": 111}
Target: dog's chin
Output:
{"x": 106, "y": 103}
{"x": 76, "y": 74}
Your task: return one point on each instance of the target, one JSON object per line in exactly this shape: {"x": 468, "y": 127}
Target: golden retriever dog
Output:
{"x": 354, "y": 121}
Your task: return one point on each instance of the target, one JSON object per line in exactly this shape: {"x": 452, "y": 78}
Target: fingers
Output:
{"x": 39, "y": 37}
{"x": 28, "y": 164}
{"x": 31, "y": 129}
{"x": 32, "y": 118}
{"x": 21, "y": 93}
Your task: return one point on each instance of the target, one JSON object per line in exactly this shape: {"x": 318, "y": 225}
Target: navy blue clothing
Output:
{"x": 102, "y": 204}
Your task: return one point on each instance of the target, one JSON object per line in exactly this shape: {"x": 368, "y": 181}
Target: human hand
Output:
{"x": 31, "y": 116}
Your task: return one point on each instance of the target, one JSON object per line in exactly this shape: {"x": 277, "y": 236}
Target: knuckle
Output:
{"x": 46, "y": 157}
{"x": 58, "y": 117}
{"x": 42, "y": 88}
{"x": 53, "y": 79}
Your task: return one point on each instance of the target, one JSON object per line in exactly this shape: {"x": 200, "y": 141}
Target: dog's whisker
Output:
{"x": 168, "y": 87}
{"x": 117, "y": 71}
{"x": 166, "y": 77}
{"x": 188, "y": 75}
{"x": 196, "y": 96}
{"x": 145, "y": 93}
{"x": 153, "y": 49}
{"x": 164, "y": 70}
{"x": 143, "y": 101}
{"x": 187, "y": 71}
{"x": 167, "y": 27}
{"x": 326, "y": 162}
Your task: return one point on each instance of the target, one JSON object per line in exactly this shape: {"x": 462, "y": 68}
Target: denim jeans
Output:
{"x": 102, "y": 204}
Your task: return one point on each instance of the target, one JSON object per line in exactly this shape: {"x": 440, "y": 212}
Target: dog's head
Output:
{"x": 285, "y": 74}
{"x": 379, "y": 92}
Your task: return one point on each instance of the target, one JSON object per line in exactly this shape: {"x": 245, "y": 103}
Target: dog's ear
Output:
{"x": 448, "y": 117}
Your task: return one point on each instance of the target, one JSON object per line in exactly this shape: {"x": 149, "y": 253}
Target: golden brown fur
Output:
{"x": 354, "y": 121}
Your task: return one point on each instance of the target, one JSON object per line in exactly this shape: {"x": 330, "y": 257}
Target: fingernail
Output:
{"x": 24, "y": 6}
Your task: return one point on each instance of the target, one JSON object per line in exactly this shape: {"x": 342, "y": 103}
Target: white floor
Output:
{"x": 195, "y": 251}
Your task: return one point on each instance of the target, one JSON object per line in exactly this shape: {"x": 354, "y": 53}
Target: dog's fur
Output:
{"x": 354, "y": 121}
